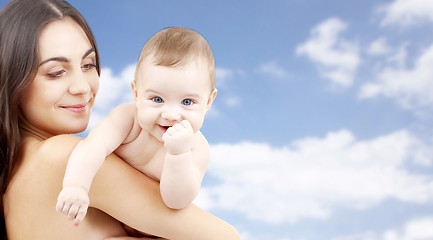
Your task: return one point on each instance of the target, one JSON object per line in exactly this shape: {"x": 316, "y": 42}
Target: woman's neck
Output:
{"x": 29, "y": 130}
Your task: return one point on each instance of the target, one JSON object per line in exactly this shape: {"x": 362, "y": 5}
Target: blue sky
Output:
{"x": 322, "y": 127}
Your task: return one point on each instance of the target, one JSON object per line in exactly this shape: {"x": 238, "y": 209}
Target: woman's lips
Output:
{"x": 79, "y": 108}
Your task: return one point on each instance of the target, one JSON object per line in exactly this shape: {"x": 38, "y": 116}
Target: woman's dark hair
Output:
{"x": 21, "y": 22}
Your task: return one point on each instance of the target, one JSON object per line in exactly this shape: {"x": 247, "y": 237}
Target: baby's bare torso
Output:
{"x": 144, "y": 153}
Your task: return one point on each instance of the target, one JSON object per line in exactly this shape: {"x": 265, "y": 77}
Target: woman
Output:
{"x": 49, "y": 76}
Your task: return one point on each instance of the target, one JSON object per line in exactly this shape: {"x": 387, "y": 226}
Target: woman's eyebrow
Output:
{"x": 57, "y": 59}
{"x": 64, "y": 59}
{"x": 88, "y": 52}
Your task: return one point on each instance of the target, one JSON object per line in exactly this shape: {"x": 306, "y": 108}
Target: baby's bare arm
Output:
{"x": 120, "y": 191}
{"x": 134, "y": 199}
{"x": 88, "y": 156}
{"x": 184, "y": 169}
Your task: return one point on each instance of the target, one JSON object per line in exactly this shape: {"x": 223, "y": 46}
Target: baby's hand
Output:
{"x": 73, "y": 202}
{"x": 178, "y": 138}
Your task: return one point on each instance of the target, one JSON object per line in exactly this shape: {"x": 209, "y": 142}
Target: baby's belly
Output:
{"x": 151, "y": 167}
{"x": 153, "y": 172}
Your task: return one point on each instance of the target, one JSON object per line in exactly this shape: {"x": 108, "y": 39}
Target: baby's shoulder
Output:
{"x": 125, "y": 109}
{"x": 123, "y": 115}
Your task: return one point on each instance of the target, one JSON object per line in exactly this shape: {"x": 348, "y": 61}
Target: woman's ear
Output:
{"x": 211, "y": 99}
{"x": 134, "y": 90}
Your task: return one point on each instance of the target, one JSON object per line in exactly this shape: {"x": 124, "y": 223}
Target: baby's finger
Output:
{"x": 186, "y": 124}
{"x": 80, "y": 216}
{"x": 82, "y": 212}
{"x": 59, "y": 206}
{"x": 177, "y": 126}
{"x": 73, "y": 212}
{"x": 172, "y": 130}
{"x": 66, "y": 208}
{"x": 77, "y": 222}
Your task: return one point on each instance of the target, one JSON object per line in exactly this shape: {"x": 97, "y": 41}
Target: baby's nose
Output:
{"x": 171, "y": 115}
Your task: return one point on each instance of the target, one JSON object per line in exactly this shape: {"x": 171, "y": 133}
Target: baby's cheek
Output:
{"x": 196, "y": 122}
{"x": 142, "y": 119}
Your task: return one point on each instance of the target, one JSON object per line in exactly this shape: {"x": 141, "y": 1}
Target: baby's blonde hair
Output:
{"x": 176, "y": 46}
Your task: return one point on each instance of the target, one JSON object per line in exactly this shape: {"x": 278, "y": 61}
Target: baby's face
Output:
{"x": 168, "y": 95}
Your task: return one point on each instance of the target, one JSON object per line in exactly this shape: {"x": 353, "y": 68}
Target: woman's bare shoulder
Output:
{"x": 49, "y": 156}
{"x": 56, "y": 149}
{"x": 46, "y": 159}
{"x": 33, "y": 191}
{"x": 58, "y": 144}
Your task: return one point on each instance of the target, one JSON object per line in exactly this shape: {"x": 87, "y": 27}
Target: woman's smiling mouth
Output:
{"x": 78, "y": 108}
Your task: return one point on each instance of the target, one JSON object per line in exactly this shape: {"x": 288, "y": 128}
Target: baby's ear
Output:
{"x": 211, "y": 98}
{"x": 134, "y": 90}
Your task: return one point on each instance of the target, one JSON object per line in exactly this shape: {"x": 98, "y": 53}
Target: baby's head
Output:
{"x": 174, "y": 80}
{"x": 176, "y": 47}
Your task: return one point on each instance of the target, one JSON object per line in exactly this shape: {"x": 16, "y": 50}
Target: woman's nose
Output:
{"x": 79, "y": 85}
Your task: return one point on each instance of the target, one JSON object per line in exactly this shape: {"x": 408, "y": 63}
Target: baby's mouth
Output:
{"x": 164, "y": 128}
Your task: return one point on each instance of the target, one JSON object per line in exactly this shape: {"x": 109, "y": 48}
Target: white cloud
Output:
{"x": 310, "y": 177}
{"x": 113, "y": 91}
{"x": 411, "y": 88}
{"x": 369, "y": 235}
{"x": 273, "y": 69}
{"x": 415, "y": 229}
{"x": 267, "y": 236}
{"x": 379, "y": 47}
{"x": 419, "y": 229}
{"x": 407, "y": 12}
{"x": 400, "y": 57}
{"x": 337, "y": 58}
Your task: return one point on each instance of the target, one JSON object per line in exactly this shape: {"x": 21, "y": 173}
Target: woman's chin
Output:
{"x": 79, "y": 128}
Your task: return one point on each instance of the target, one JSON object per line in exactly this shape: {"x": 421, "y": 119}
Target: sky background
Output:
{"x": 322, "y": 127}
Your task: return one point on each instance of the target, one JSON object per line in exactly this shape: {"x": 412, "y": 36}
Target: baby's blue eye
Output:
{"x": 187, "y": 102}
{"x": 157, "y": 99}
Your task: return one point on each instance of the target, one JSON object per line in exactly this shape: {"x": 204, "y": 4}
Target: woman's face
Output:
{"x": 60, "y": 98}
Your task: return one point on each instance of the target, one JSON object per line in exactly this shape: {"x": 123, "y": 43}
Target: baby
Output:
{"x": 159, "y": 134}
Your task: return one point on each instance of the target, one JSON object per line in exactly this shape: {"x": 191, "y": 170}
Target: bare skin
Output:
{"x": 135, "y": 200}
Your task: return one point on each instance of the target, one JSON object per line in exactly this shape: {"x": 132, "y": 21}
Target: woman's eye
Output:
{"x": 187, "y": 102}
{"x": 56, "y": 74}
{"x": 87, "y": 67}
{"x": 157, "y": 99}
